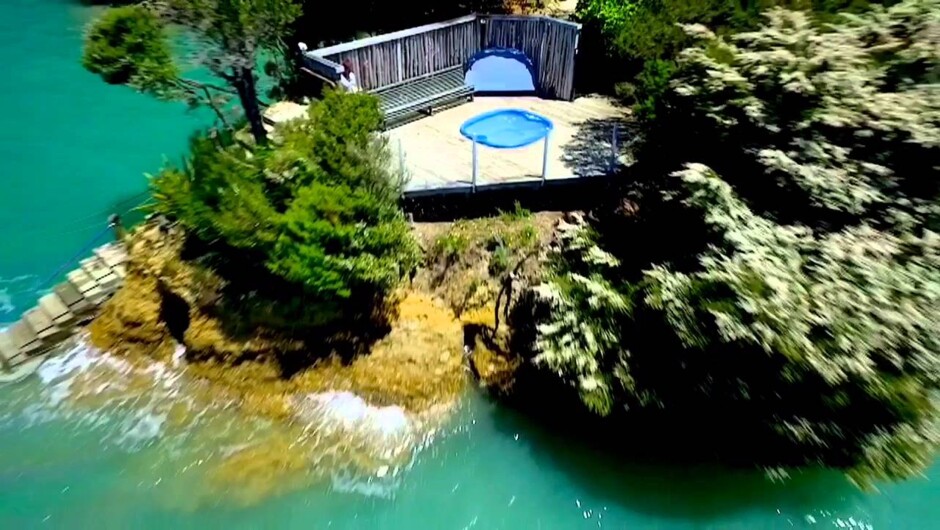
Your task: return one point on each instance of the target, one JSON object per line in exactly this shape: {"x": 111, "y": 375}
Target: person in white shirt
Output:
{"x": 348, "y": 78}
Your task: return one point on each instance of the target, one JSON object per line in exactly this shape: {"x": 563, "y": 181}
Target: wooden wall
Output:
{"x": 411, "y": 54}
{"x": 397, "y": 57}
{"x": 550, "y": 44}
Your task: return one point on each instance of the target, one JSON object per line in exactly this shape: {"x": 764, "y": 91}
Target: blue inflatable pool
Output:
{"x": 507, "y": 128}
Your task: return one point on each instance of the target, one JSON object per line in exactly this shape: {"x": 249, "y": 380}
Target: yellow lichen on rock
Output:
{"x": 408, "y": 379}
{"x": 206, "y": 338}
{"x": 419, "y": 364}
{"x": 496, "y": 371}
{"x": 130, "y": 322}
{"x": 256, "y": 387}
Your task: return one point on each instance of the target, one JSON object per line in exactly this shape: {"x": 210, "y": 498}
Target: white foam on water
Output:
{"x": 143, "y": 427}
{"x": 63, "y": 367}
{"x": 352, "y": 412}
{"x": 178, "y": 354}
{"x": 383, "y": 434}
{"x": 382, "y": 487}
{"x": 129, "y": 405}
{"x": 6, "y": 302}
{"x": 10, "y": 287}
{"x": 131, "y": 417}
{"x": 18, "y": 279}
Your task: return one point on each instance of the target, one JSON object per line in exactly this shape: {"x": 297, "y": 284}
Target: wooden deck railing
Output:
{"x": 393, "y": 58}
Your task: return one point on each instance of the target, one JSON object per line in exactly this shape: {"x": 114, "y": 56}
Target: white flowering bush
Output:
{"x": 806, "y": 326}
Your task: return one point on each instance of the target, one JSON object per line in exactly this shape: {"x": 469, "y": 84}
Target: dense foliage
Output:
{"x": 127, "y": 46}
{"x": 131, "y": 45}
{"x": 642, "y": 38}
{"x": 778, "y": 298}
{"x": 319, "y": 210}
{"x": 340, "y": 21}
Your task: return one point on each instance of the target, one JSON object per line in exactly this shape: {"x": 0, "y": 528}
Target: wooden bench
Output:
{"x": 411, "y": 99}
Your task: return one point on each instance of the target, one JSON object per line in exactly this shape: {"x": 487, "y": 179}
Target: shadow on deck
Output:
{"x": 590, "y": 152}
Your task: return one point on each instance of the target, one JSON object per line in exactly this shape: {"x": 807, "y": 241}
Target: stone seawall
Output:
{"x": 68, "y": 305}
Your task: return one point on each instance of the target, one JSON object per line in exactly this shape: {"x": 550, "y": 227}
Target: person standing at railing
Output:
{"x": 348, "y": 78}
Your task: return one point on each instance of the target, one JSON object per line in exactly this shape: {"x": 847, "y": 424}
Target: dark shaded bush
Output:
{"x": 776, "y": 298}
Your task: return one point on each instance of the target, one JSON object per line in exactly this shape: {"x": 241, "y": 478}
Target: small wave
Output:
{"x": 96, "y": 390}
{"x": 352, "y": 412}
{"x": 23, "y": 278}
{"x": 59, "y": 372}
{"x": 347, "y": 482}
{"x": 374, "y": 444}
{"x": 12, "y": 287}
{"x": 6, "y": 302}
{"x": 153, "y": 409}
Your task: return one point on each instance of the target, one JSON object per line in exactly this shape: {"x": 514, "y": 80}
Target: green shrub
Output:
{"x": 128, "y": 46}
{"x": 499, "y": 261}
{"x": 451, "y": 245}
{"x": 518, "y": 213}
{"x": 651, "y": 84}
{"x": 645, "y": 36}
{"x": 610, "y": 15}
{"x": 318, "y": 210}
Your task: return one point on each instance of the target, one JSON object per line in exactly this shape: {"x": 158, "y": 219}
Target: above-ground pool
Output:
{"x": 507, "y": 128}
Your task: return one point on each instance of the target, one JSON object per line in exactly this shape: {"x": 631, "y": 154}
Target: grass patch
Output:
{"x": 468, "y": 261}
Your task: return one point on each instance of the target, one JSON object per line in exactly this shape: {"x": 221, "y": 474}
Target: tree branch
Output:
{"x": 201, "y": 85}
{"x": 217, "y": 110}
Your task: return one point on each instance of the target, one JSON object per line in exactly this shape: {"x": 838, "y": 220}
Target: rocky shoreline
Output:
{"x": 367, "y": 414}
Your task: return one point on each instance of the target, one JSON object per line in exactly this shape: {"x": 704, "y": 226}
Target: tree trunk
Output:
{"x": 248, "y": 94}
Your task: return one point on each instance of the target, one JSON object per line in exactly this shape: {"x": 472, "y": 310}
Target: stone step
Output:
{"x": 25, "y": 339}
{"x": 53, "y": 319}
{"x": 7, "y": 349}
{"x": 42, "y": 325}
{"x": 95, "y": 268}
{"x": 95, "y": 296}
{"x": 81, "y": 281}
{"x": 112, "y": 254}
{"x": 110, "y": 283}
{"x": 56, "y": 309}
{"x": 101, "y": 273}
{"x": 72, "y": 298}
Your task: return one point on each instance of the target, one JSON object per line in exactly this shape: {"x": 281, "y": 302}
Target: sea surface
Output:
{"x": 72, "y": 151}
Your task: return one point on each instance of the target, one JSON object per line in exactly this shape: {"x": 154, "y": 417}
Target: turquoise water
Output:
{"x": 110, "y": 466}
{"x": 73, "y": 150}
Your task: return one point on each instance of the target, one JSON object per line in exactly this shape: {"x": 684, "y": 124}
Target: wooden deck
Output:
{"x": 436, "y": 158}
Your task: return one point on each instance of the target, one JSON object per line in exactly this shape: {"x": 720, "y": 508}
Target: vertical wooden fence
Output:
{"x": 393, "y": 58}
{"x": 549, "y": 43}
{"x": 397, "y": 57}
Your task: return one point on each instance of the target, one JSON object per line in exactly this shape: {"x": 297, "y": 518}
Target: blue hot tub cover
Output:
{"x": 501, "y": 70}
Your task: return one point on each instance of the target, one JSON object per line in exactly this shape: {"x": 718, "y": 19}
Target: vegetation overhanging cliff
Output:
{"x": 764, "y": 283}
